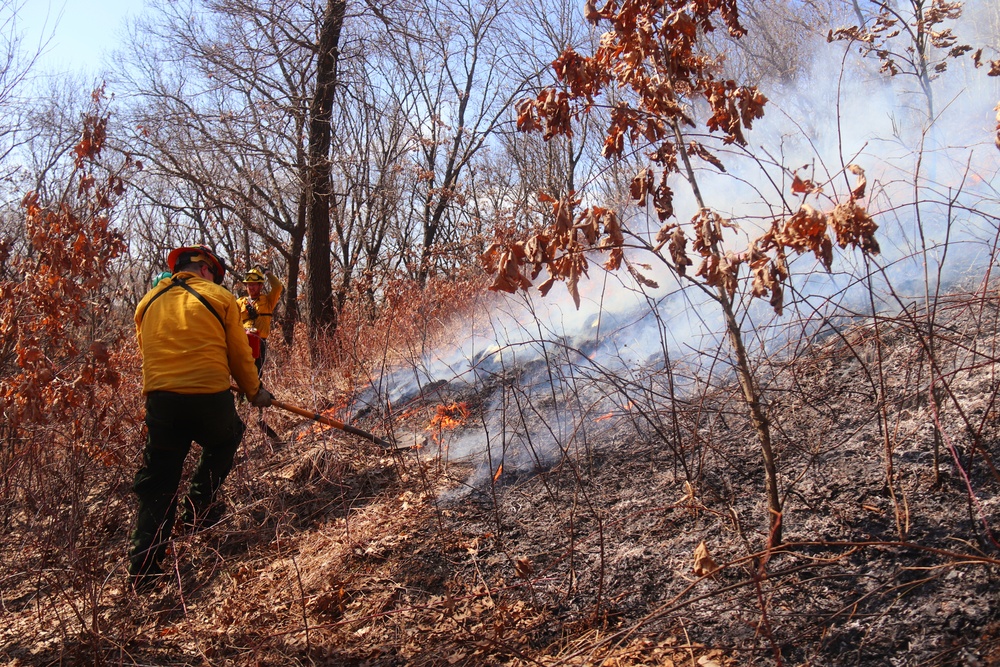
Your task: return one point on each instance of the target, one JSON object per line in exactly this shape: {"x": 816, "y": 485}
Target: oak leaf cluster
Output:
{"x": 54, "y": 353}
{"x": 652, "y": 55}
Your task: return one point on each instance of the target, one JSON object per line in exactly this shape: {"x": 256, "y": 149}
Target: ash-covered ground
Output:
{"x": 575, "y": 514}
{"x": 886, "y": 434}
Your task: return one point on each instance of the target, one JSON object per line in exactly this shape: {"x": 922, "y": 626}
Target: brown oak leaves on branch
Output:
{"x": 52, "y": 356}
{"x": 919, "y": 31}
{"x": 652, "y": 57}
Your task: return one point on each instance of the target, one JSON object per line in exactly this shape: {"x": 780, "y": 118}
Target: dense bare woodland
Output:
{"x": 681, "y": 315}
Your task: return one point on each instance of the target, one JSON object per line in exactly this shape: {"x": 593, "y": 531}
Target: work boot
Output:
{"x": 194, "y": 519}
{"x": 147, "y": 580}
{"x": 144, "y": 572}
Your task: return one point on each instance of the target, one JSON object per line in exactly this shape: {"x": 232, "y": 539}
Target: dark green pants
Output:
{"x": 174, "y": 421}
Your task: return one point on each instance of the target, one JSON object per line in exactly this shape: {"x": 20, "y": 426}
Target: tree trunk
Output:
{"x": 292, "y": 285}
{"x": 317, "y": 182}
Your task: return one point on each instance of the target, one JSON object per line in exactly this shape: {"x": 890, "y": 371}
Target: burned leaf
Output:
{"x": 695, "y": 148}
{"x": 509, "y": 277}
{"x": 562, "y": 211}
{"x": 708, "y": 234}
{"x": 751, "y": 103}
{"x": 767, "y": 279}
{"x": 641, "y": 279}
{"x": 665, "y": 155}
{"x": 546, "y": 285}
{"x": 490, "y": 258}
{"x": 573, "y": 278}
{"x": 527, "y": 116}
{"x": 854, "y": 227}
{"x": 663, "y": 200}
{"x": 859, "y": 188}
{"x": 536, "y": 249}
{"x": 614, "y": 260}
{"x": 613, "y": 229}
{"x": 704, "y": 565}
{"x": 641, "y": 186}
{"x": 664, "y": 235}
{"x": 678, "y": 250}
{"x": 804, "y": 231}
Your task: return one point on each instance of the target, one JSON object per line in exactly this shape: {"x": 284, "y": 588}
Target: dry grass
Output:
{"x": 337, "y": 552}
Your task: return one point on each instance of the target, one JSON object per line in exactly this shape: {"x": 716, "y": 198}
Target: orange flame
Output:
{"x": 447, "y": 418}
{"x": 611, "y": 414}
{"x": 499, "y": 472}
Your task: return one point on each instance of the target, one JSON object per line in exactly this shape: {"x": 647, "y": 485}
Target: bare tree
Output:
{"x": 219, "y": 99}
{"x": 453, "y": 73}
{"x": 370, "y": 177}
{"x": 317, "y": 182}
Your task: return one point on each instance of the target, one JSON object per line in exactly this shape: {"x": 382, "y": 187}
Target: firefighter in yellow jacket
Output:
{"x": 257, "y": 308}
{"x": 192, "y": 340}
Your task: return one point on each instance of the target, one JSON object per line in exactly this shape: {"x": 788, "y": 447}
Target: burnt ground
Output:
{"x": 581, "y": 550}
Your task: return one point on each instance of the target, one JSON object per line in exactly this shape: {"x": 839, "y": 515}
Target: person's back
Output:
{"x": 192, "y": 340}
{"x": 189, "y": 347}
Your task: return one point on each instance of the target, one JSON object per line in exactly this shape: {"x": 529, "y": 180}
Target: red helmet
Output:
{"x": 197, "y": 253}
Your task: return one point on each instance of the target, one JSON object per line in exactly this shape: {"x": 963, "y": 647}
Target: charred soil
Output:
{"x": 645, "y": 546}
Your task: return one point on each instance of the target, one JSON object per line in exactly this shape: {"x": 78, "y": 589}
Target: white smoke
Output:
{"x": 549, "y": 371}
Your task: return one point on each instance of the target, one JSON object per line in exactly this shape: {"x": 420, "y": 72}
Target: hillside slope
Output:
{"x": 339, "y": 553}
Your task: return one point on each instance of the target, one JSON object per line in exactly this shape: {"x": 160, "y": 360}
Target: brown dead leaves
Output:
{"x": 879, "y": 38}
{"x": 652, "y": 54}
{"x": 854, "y": 227}
{"x": 704, "y": 565}
{"x": 808, "y": 230}
{"x": 654, "y": 51}
{"x": 51, "y": 306}
{"x": 560, "y": 248}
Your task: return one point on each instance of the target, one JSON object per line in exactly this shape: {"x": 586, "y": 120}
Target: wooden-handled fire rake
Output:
{"x": 336, "y": 423}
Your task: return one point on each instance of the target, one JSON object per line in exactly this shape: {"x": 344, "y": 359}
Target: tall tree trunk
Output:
{"x": 292, "y": 286}
{"x": 317, "y": 183}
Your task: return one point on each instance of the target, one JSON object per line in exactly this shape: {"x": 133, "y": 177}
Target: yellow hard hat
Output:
{"x": 254, "y": 275}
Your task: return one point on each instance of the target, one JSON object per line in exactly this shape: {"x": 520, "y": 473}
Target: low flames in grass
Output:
{"x": 446, "y": 418}
{"x": 611, "y": 414}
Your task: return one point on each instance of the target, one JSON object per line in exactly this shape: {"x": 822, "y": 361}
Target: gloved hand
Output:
{"x": 262, "y": 399}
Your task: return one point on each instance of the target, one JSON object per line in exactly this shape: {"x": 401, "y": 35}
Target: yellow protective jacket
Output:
{"x": 185, "y": 348}
{"x": 265, "y": 306}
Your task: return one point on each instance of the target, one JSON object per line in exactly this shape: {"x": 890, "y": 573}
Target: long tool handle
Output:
{"x": 335, "y": 423}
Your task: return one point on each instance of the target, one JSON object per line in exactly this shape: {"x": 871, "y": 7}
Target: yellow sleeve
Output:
{"x": 275, "y": 289}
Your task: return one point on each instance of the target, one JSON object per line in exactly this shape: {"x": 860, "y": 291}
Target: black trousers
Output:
{"x": 259, "y": 361}
{"x": 174, "y": 421}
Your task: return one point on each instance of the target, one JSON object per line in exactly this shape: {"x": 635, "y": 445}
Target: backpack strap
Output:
{"x": 182, "y": 283}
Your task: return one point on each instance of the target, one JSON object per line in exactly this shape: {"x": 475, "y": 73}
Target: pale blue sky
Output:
{"x": 82, "y": 31}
